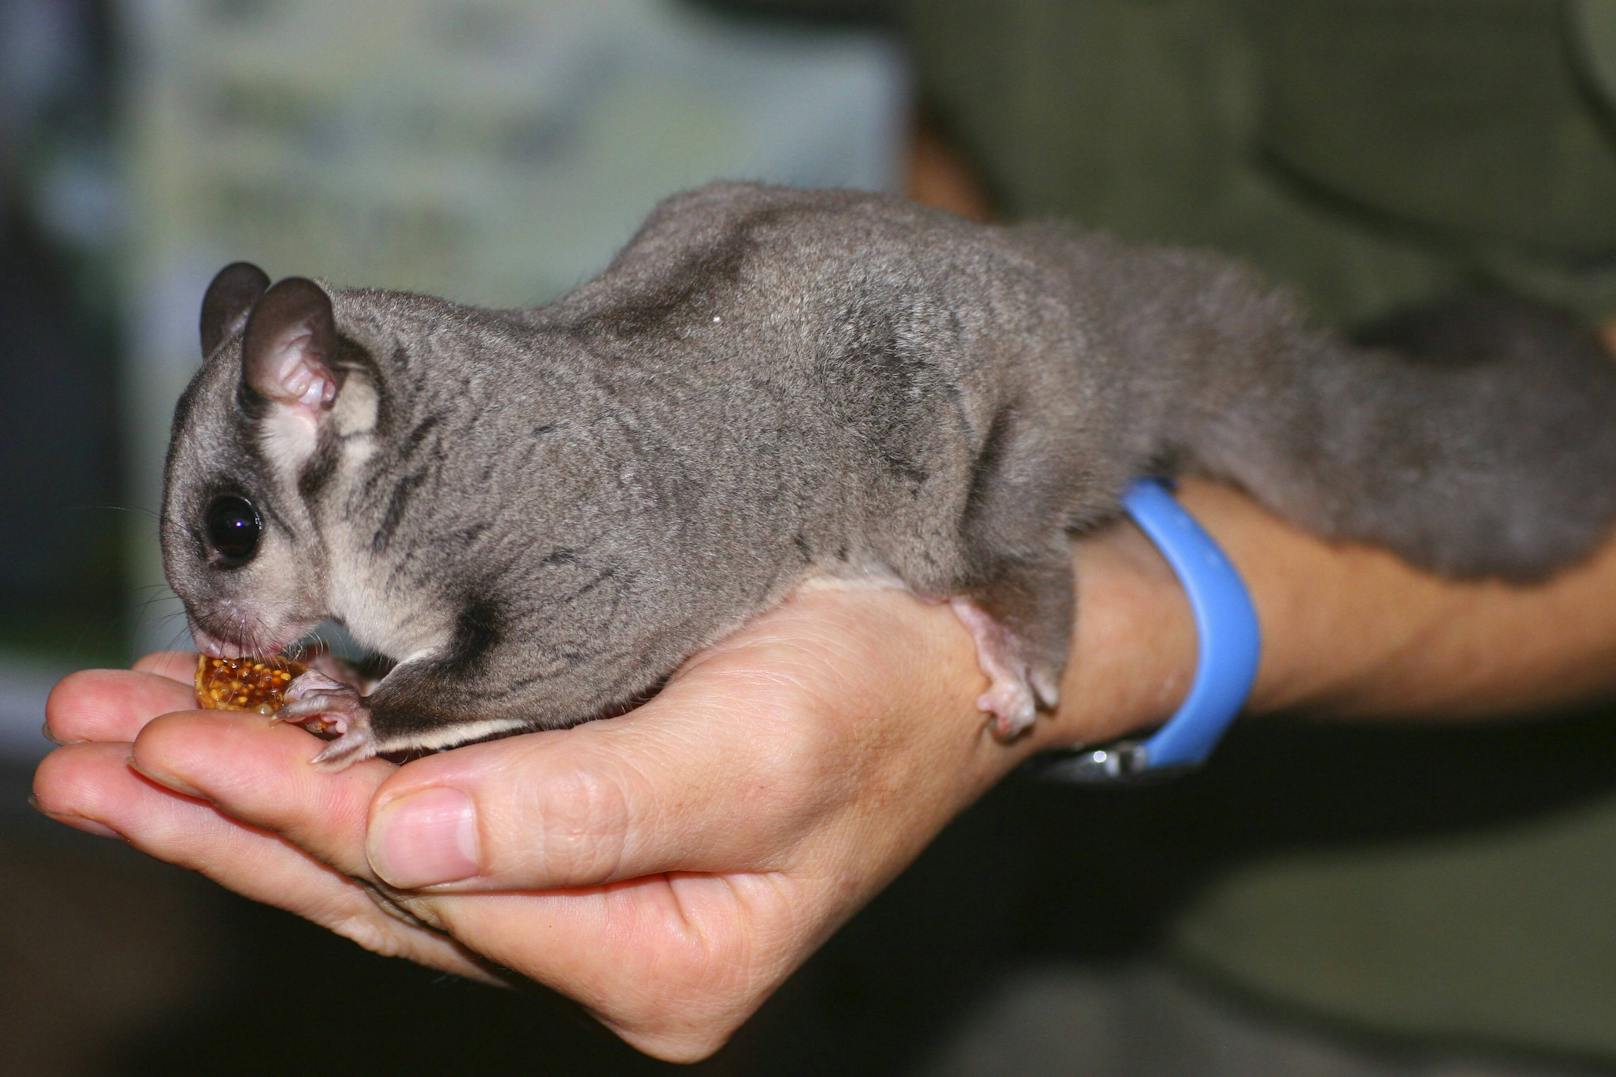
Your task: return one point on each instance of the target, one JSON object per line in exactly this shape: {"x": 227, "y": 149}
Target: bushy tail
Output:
{"x": 1476, "y": 437}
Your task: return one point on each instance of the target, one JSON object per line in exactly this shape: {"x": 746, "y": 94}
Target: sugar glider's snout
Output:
{"x": 218, "y": 564}
{"x": 236, "y": 545}
{"x": 218, "y": 646}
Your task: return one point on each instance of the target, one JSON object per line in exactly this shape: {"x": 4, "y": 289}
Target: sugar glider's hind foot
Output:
{"x": 1018, "y": 684}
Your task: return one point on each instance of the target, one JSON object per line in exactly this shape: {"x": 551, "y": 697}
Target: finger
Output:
{"x": 93, "y": 783}
{"x": 110, "y": 704}
{"x": 175, "y": 665}
{"x": 258, "y": 772}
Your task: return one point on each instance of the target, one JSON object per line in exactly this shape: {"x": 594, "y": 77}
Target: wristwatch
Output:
{"x": 1230, "y": 644}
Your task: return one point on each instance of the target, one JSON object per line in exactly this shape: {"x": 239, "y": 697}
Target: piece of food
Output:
{"x": 244, "y": 684}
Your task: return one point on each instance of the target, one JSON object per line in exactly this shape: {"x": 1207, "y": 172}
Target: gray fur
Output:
{"x": 543, "y": 512}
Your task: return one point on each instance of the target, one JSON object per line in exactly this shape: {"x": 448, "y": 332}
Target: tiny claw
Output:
{"x": 1045, "y": 687}
{"x": 354, "y": 746}
{"x": 336, "y": 704}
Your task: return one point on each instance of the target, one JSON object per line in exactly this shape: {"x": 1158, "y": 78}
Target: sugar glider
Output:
{"x": 538, "y": 514}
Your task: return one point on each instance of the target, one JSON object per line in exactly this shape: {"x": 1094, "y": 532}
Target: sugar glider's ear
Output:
{"x": 228, "y": 301}
{"x": 290, "y": 346}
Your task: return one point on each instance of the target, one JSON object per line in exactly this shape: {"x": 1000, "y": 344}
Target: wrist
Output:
{"x": 1324, "y": 604}
{"x": 1134, "y": 652}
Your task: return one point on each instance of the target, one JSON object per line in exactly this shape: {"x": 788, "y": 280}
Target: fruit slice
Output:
{"x": 244, "y": 684}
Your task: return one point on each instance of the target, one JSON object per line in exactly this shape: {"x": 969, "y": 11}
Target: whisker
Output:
{"x": 96, "y": 507}
{"x": 166, "y": 620}
{"x": 145, "y": 606}
{"x": 180, "y": 640}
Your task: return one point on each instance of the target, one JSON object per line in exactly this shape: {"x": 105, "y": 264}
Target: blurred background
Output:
{"x": 1324, "y": 900}
{"x": 493, "y": 152}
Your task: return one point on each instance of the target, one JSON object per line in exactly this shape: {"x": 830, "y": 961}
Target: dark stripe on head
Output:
{"x": 351, "y": 355}
{"x": 250, "y": 402}
{"x": 320, "y": 467}
{"x": 397, "y": 502}
{"x": 419, "y": 434}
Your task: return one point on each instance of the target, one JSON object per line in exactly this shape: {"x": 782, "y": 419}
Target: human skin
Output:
{"x": 670, "y": 868}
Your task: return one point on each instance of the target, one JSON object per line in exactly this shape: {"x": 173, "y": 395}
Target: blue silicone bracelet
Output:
{"x": 1230, "y": 644}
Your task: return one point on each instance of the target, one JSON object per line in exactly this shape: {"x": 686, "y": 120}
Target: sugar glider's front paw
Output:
{"x": 1017, "y": 688}
{"x": 325, "y": 705}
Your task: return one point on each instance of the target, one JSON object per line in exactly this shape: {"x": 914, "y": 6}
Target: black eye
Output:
{"x": 233, "y": 528}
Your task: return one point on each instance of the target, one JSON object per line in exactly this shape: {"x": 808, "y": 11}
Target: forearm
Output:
{"x": 1353, "y": 631}
{"x": 1348, "y": 631}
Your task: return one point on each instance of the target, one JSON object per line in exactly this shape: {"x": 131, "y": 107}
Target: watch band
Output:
{"x": 1230, "y": 644}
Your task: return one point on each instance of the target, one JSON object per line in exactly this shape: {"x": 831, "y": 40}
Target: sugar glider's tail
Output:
{"x": 1476, "y": 437}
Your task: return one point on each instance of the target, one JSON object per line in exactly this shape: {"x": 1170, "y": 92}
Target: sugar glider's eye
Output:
{"x": 233, "y": 527}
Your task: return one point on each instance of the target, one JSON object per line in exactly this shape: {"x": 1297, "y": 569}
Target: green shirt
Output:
{"x": 1459, "y": 884}
{"x": 1373, "y": 152}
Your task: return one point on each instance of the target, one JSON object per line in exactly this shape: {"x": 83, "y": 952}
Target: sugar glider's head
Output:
{"x": 240, "y": 546}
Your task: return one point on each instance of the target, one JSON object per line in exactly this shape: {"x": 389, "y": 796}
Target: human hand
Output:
{"x": 667, "y": 869}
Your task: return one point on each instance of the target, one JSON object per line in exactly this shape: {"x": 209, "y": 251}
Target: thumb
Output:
{"x": 687, "y": 782}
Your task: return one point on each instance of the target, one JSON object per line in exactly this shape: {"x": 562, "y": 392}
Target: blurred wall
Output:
{"x": 496, "y": 152}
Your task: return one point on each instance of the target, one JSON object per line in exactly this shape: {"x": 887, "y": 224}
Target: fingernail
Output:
{"x": 167, "y": 781}
{"x": 77, "y": 822}
{"x": 425, "y": 838}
